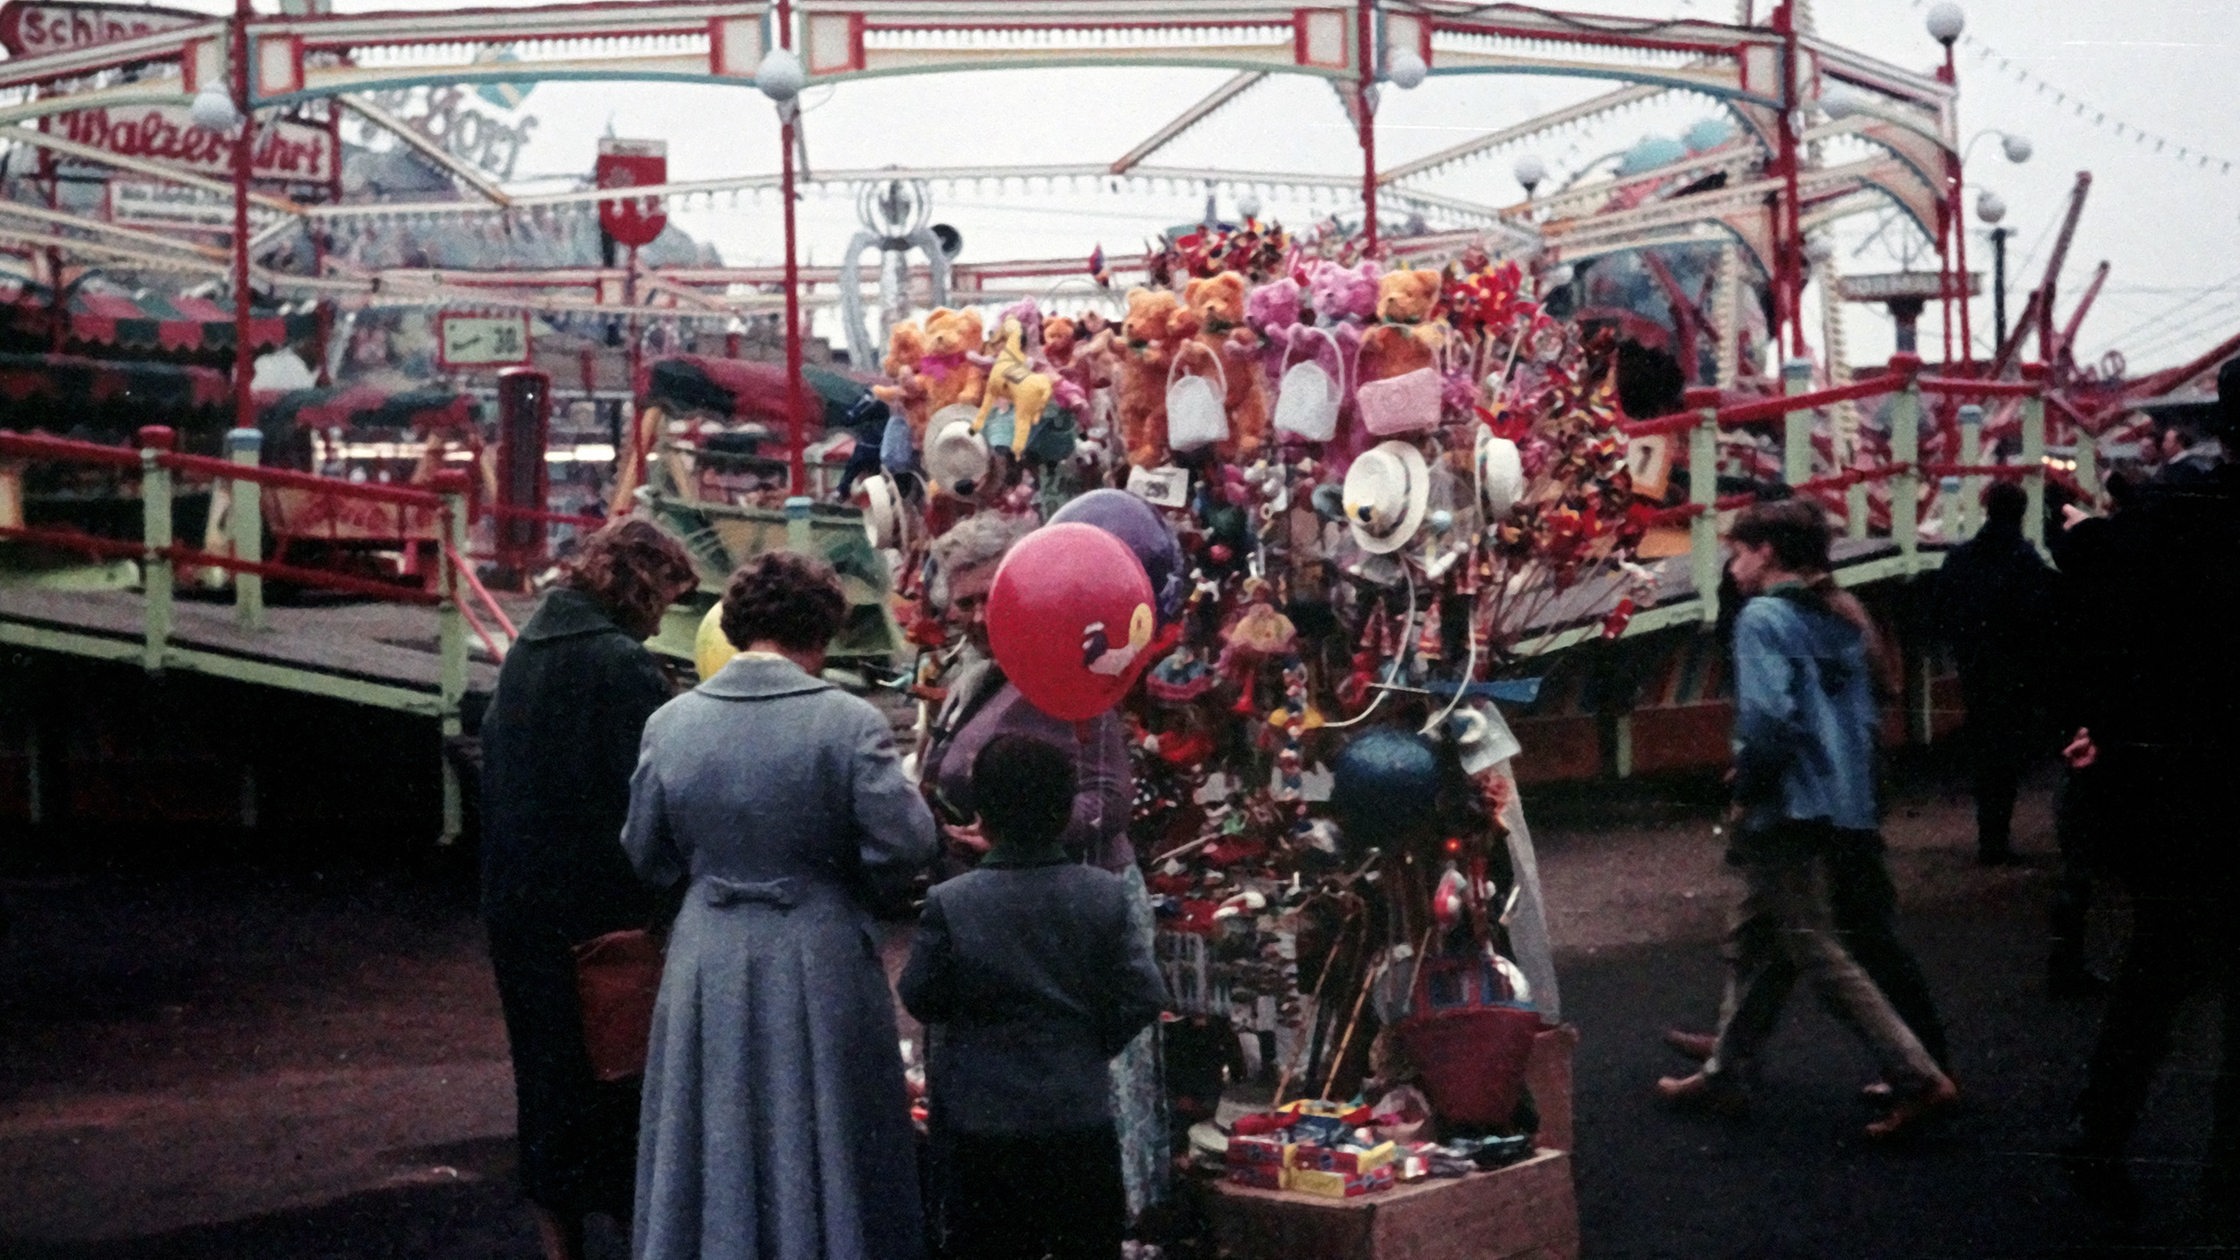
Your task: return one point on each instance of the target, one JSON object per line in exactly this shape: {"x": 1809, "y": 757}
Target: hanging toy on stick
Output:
{"x": 1070, "y": 620}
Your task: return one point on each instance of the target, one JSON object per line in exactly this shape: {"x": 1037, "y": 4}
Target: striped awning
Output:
{"x": 146, "y": 322}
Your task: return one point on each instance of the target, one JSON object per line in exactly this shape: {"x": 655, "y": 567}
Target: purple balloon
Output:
{"x": 1146, "y": 533}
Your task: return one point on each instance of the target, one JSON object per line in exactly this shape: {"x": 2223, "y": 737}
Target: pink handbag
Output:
{"x": 1407, "y": 403}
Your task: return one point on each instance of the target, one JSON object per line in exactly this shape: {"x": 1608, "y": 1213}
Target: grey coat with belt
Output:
{"x": 775, "y": 1122}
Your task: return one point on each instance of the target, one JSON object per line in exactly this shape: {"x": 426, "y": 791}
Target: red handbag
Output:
{"x": 1470, "y": 1041}
{"x": 618, "y": 976}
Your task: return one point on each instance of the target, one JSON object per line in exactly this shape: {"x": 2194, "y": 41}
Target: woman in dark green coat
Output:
{"x": 558, "y": 745}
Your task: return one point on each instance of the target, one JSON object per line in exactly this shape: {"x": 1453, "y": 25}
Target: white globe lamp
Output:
{"x": 1404, "y": 68}
{"x": 2017, "y": 148}
{"x": 1530, "y": 170}
{"x": 213, "y": 110}
{"x": 781, "y": 76}
{"x": 1990, "y": 206}
{"x": 1945, "y": 21}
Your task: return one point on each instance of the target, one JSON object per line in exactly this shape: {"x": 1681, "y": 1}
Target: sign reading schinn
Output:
{"x": 52, "y": 26}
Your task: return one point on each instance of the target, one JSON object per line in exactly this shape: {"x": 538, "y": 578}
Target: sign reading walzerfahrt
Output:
{"x": 288, "y": 152}
{"x": 52, "y": 26}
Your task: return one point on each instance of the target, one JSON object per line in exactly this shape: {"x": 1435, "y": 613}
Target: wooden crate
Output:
{"x": 1526, "y": 1211}
{"x": 1523, "y": 1212}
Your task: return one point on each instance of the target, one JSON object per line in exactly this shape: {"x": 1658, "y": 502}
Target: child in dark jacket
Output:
{"x": 1030, "y": 979}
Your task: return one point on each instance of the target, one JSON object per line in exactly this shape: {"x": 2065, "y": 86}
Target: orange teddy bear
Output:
{"x": 906, "y": 349}
{"x": 947, "y": 370}
{"x": 1404, "y": 338}
{"x": 1217, "y": 304}
{"x": 1156, "y": 327}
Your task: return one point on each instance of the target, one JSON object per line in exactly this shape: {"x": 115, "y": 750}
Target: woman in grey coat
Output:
{"x": 776, "y": 1125}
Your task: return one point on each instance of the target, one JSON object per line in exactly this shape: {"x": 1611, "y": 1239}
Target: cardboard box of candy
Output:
{"x": 1350, "y": 1158}
{"x": 1339, "y": 1185}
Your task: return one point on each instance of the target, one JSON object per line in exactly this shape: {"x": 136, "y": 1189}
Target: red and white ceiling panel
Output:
{"x": 859, "y": 38}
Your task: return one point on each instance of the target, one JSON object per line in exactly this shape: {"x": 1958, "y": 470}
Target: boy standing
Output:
{"x": 1031, "y": 979}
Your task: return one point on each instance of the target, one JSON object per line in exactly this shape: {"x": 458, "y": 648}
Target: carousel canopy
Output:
{"x": 144, "y": 321}
{"x": 107, "y": 401}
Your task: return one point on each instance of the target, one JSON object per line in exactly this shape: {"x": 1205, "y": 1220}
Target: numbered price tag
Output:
{"x": 472, "y": 341}
{"x": 1167, "y": 487}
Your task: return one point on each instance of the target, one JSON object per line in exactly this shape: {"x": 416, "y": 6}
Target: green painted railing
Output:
{"x": 158, "y": 462}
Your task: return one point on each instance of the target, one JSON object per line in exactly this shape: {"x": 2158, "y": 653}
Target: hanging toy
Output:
{"x": 1450, "y": 900}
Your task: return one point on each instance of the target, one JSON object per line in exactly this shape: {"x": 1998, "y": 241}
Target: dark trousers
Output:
{"x": 1026, "y": 1196}
{"x": 1786, "y": 930}
{"x": 2181, "y": 943}
{"x": 578, "y": 1134}
{"x": 2076, "y": 826}
{"x": 1863, "y": 905}
{"x": 1998, "y": 745}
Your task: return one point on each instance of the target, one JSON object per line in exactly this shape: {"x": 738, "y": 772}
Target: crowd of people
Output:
{"x": 2119, "y": 656}
{"x": 768, "y": 825}
{"x": 768, "y": 821}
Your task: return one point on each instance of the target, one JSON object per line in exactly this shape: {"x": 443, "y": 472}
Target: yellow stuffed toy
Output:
{"x": 1013, "y": 379}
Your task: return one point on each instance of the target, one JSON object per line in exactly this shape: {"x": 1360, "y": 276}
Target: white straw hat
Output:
{"x": 956, "y": 458}
{"x": 1500, "y": 476}
{"x": 1387, "y": 491}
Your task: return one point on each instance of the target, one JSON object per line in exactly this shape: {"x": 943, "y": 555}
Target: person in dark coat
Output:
{"x": 1031, "y": 976}
{"x": 558, "y": 744}
{"x": 1993, "y": 598}
{"x": 2161, "y": 734}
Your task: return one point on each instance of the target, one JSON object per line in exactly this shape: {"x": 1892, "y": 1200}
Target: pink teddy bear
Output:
{"x": 1344, "y": 300}
{"x": 1272, "y": 312}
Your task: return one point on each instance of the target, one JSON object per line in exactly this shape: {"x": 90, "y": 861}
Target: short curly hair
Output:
{"x": 782, "y": 597}
{"x": 631, "y": 568}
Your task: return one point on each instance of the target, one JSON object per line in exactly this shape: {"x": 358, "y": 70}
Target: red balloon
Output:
{"x": 1070, "y": 619}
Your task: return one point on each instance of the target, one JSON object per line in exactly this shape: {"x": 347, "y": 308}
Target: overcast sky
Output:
{"x": 2165, "y": 66}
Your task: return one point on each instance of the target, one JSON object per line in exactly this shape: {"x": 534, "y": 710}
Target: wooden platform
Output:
{"x": 366, "y": 652}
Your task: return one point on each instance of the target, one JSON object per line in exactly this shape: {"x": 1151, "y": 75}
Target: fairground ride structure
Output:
{"x": 1744, "y": 211}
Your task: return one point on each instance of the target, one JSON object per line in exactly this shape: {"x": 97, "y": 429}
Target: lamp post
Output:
{"x": 223, "y": 110}
{"x": 781, "y": 78}
{"x": 1946, "y": 21}
{"x": 1405, "y": 69}
{"x": 1991, "y": 208}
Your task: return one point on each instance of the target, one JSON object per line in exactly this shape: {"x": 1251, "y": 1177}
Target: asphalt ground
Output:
{"x": 289, "y": 1052}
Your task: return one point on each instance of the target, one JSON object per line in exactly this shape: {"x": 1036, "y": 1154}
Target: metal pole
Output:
{"x": 245, "y": 517}
{"x": 2034, "y": 457}
{"x": 1959, "y": 218}
{"x": 156, "y": 577}
{"x": 798, "y": 469}
{"x": 1791, "y": 250}
{"x": 1999, "y": 284}
{"x": 451, "y": 646}
{"x": 1971, "y": 487}
{"x": 244, "y": 359}
{"x": 1905, "y": 451}
{"x": 1796, "y": 426}
{"x": 1364, "y": 37}
{"x": 1703, "y": 527}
